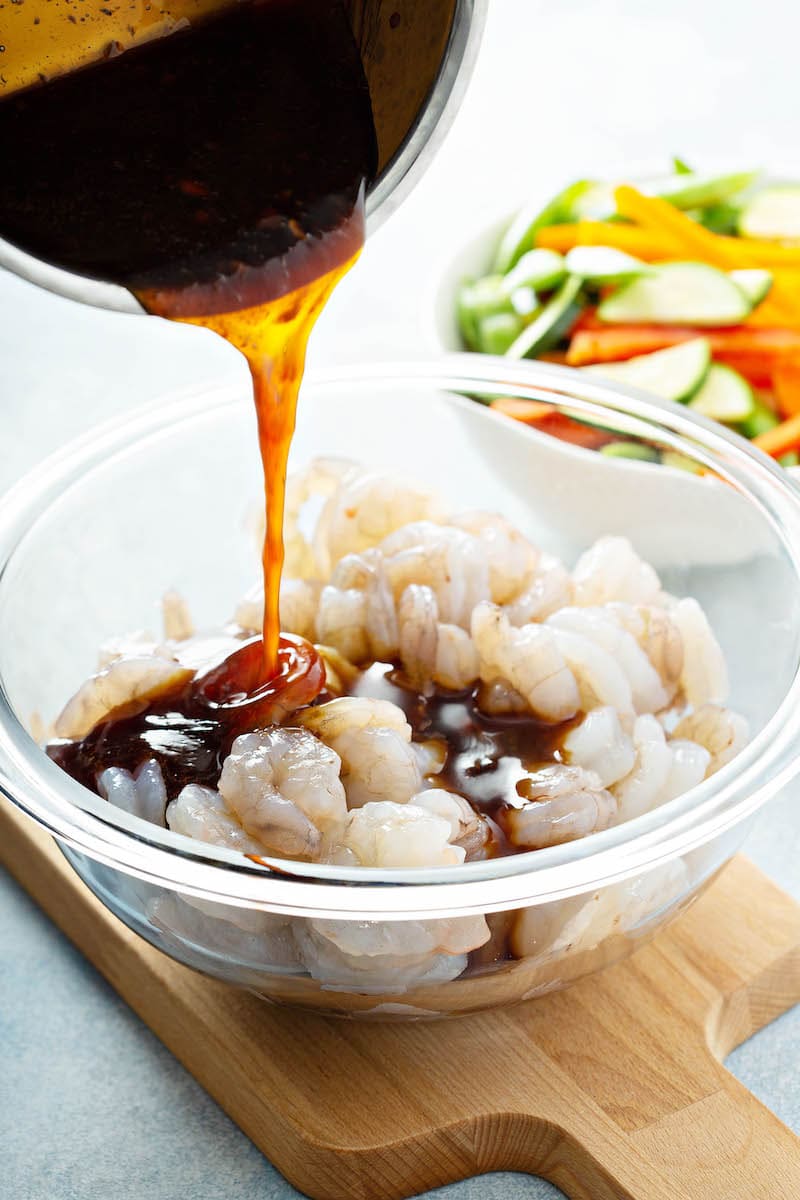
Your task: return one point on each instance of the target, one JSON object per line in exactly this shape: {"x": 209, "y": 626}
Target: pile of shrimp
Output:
{"x": 457, "y": 601}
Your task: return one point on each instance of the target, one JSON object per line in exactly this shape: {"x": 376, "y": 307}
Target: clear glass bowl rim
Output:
{"x": 92, "y": 827}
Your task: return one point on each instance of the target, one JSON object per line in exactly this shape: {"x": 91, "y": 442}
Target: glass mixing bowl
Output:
{"x": 90, "y": 541}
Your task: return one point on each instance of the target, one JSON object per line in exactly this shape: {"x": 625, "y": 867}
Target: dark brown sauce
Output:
{"x": 189, "y": 732}
{"x": 219, "y": 173}
{"x": 486, "y": 756}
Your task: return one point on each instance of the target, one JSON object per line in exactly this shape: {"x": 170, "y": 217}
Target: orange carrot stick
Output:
{"x": 753, "y": 352}
{"x": 781, "y": 439}
{"x": 786, "y": 386}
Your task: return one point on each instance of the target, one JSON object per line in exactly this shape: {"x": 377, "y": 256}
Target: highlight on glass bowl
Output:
{"x": 686, "y": 285}
{"x": 537, "y": 712}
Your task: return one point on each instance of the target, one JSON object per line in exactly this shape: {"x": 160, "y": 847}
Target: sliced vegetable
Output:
{"x": 478, "y": 300}
{"x": 528, "y": 411}
{"x": 538, "y": 269}
{"x": 553, "y": 323}
{"x": 698, "y": 190}
{"x": 604, "y": 264}
{"x": 786, "y": 386}
{"x": 760, "y": 420}
{"x": 772, "y": 213}
{"x": 678, "y": 293}
{"x": 635, "y": 450}
{"x": 720, "y": 218}
{"x": 640, "y": 242}
{"x": 521, "y": 233}
{"x": 753, "y": 352}
{"x": 725, "y": 396}
{"x": 672, "y": 374}
{"x": 780, "y": 440}
{"x": 680, "y": 167}
{"x": 791, "y": 459}
{"x": 754, "y": 282}
{"x": 680, "y": 462}
{"x": 497, "y": 332}
{"x": 662, "y": 218}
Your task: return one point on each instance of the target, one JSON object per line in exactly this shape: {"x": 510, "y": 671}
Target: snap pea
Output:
{"x": 498, "y": 331}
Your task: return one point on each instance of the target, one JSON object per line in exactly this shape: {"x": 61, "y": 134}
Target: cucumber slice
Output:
{"x": 478, "y": 300}
{"x": 790, "y": 459}
{"x": 498, "y": 331}
{"x": 680, "y": 462}
{"x": 553, "y": 323}
{"x": 698, "y": 190}
{"x": 772, "y": 213}
{"x": 603, "y": 264}
{"x": 635, "y": 450}
{"x": 521, "y": 233}
{"x": 754, "y": 282}
{"x": 538, "y": 269}
{"x": 683, "y": 293}
{"x": 760, "y": 420}
{"x": 725, "y": 396}
{"x": 672, "y": 374}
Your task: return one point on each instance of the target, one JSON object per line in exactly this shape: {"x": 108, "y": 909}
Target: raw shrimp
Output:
{"x": 298, "y": 607}
{"x": 549, "y": 589}
{"x": 373, "y": 974}
{"x": 498, "y": 697}
{"x": 601, "y": 745}
{"x": 373, "y": 740}
{"x": 580, "y": 923}
{"x": 137, "y": 644}
{"x": 178, "y": 623}
{"x": 283, "y": 785}
{"x": 526, "y": 659}
{"x": 512, "y": 558}
{"x": 641, "y": 789}
{"x": 384, "y": 834}
{"x": 356, "y": 611}
{"x": 468, "y": 829}
{"x": 124, "y": 680}
{"x": 602, "y": 628}
{"x": 318, "y": 481}
{"x": 240, "y": 936}
{"x": 366, "y": 508}
{"x": 612, "y": 570}
{"x": 389, "y": 955}
{"x": 704, "y": 677}
{"x": 599, "y": 678}
{"x": 430, "y": 650}
{"x": 561, "y": 804}
{"x": 658, "y": 636}
{"x": 200, "y": 813}
{"x": 688, "y": 768}
{"x": 449, "y": 561}
{"x": 720, "y": 731}
{"x": 142, "y": 794}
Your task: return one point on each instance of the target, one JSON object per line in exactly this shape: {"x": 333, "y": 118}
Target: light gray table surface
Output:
{"x": 91, "y": 1105}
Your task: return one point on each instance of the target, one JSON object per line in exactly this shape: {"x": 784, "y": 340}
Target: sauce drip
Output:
{"x": 219, "y": 173}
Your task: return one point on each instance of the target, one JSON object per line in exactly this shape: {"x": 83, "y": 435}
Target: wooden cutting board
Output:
{"x": 613, "y": 1089}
